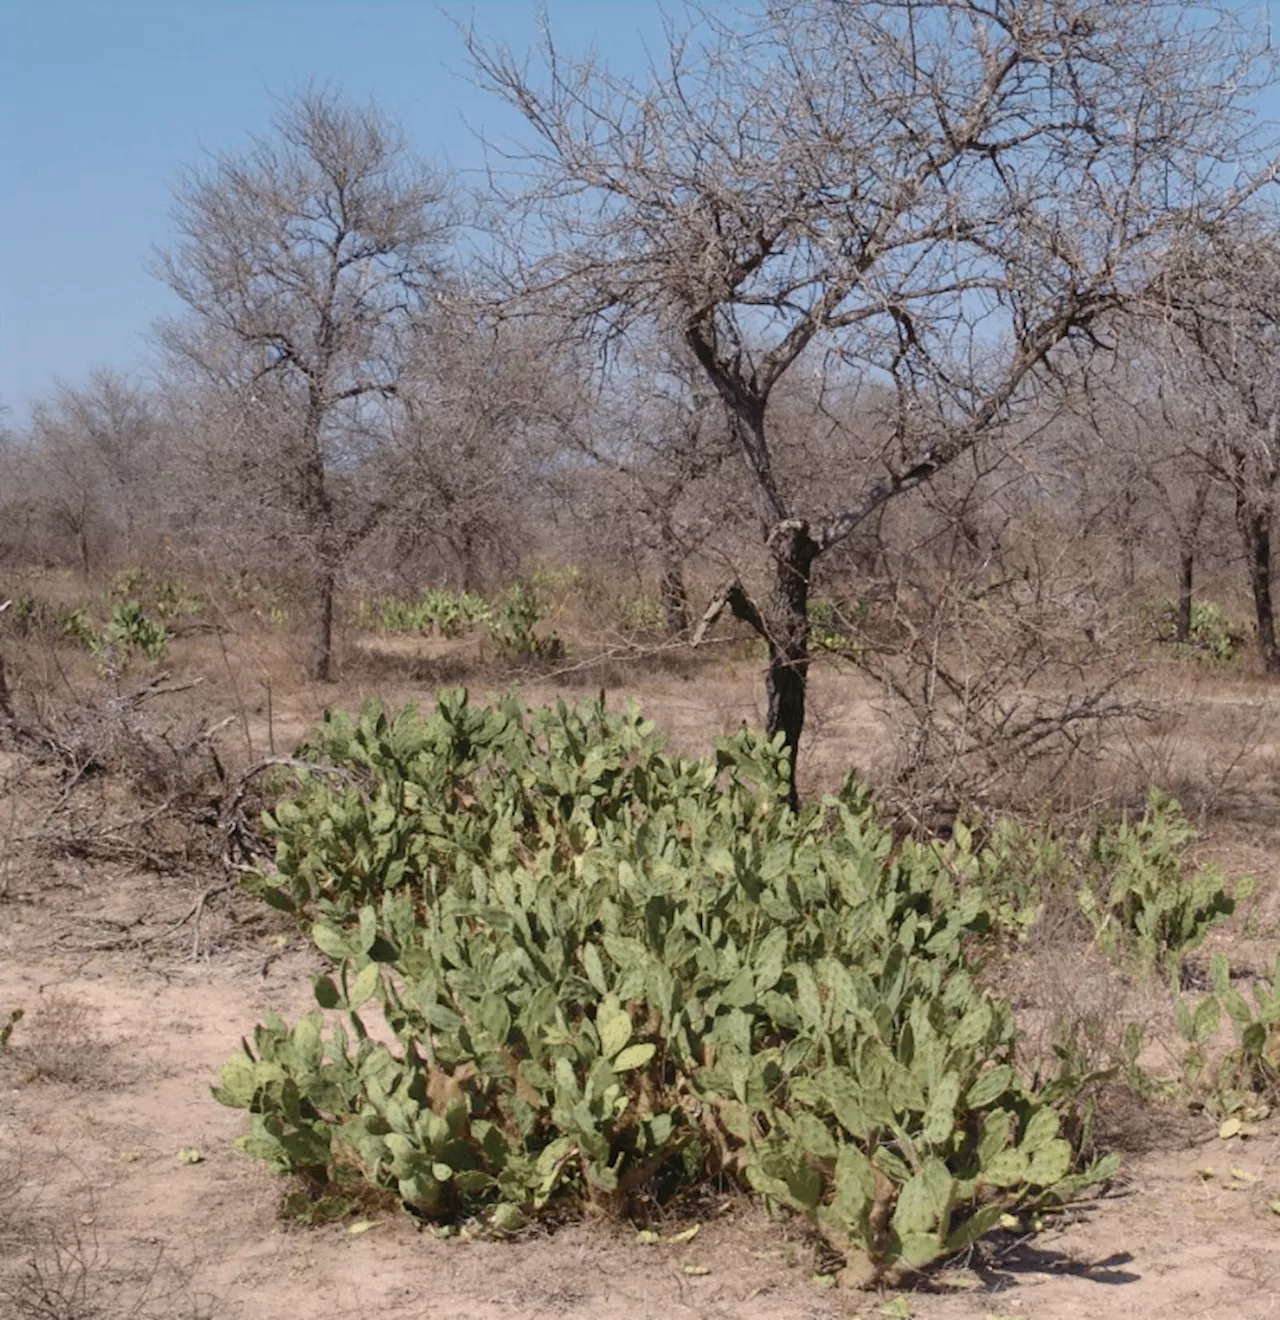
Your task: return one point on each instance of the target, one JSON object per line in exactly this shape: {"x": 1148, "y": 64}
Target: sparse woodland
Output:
{"x": 880, "y": 394}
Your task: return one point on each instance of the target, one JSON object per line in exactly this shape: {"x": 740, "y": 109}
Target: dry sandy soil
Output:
{"x": 135, "y": 994}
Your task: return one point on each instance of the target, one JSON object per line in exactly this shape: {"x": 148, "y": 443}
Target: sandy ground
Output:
{"x": 107, "y": 1081}
{"x": 132, "y": 1006}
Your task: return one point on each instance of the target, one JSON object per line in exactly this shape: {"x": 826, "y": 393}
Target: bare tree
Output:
{"x": 939, "y": 194}
{"x": 308, "y": 263}
{"x": 87, "y": 469}
{"x": 1224, "y": 298}
{"x": 658, "y": 450}
{"x": 484, "y": 407}
{"x": 1148, "y": 425}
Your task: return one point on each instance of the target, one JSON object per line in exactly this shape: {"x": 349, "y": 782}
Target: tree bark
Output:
{"x": 675, "y": 599}
{"x": 1186, "y": 581}
{"x": 1255, "y": 529}
{"x": 6, "y": 702}
{"x": 671, "y": 588}
{"x": 317, "y": 509}
{"x": 320, "y": 660}
{"x": 470, "y": 568}
{"x": 787, "y": 623}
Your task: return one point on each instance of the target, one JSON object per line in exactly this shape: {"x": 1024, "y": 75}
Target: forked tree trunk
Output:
{"x": 787, "y": 624}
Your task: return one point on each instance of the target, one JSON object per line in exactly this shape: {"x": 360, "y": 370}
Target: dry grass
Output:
{"x": 59, "y": 1041}
{"x": 69, "y": 1275}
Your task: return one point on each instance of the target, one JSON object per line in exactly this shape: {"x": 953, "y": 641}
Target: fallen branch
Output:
{"x": 740, "y": 605}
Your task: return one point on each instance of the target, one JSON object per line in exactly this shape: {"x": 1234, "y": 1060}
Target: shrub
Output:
{"x": 1137, "y": 893}
{"x": 1213, "y": 637}
{"x": 1250, "y": 1070}
{"x": 129, "y": 629}
{"x": 139, "y": 610}
{"x": 1016, "y": 865}
{"x": 448, "y": 612}
{"x": 1131, "y": 880}
{"x": 27, "y": 614}
{"x": 611, "y": 973}
{"x": 511, "y": 625}
{"x": 641, "y": 612}
{"x": 832, "y": 627}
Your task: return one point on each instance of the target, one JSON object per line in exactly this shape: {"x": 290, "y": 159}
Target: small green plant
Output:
{"x": 1137, "y": 894}
{"x": 126, "y": 582}
{"x": 1131, "y": 879}
{"x": 1213, "y": 638}
{"x": 131, "y": 628}
{"x": 610, "y": 973}
{"x": 642, "y": 612}
{"x": 15, "y": 1016}
{"x": 1015, "y": 866}
{"x": 173, "y": 601}
{"x": 544, "y": 577}
{"x": 263, "y": 601}
{"x": 138, "y": 611}
{"x": 511, "y": 625}
{"x": 830, "y": 626}
{"x": 77, "y": 625}
{"x": 450, "y": 613}
{"x": 1249, "y": 1073}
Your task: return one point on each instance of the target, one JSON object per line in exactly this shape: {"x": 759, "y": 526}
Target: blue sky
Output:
{"x": 102, "y": 102}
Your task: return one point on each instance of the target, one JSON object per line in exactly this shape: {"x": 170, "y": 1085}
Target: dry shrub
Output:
{"x": 1211, "y": 746}
{"x": 14, "y": 1208}
{"x": 384, "y": 659}
{"x": 1002, "y": 677}
{"x": 69, "y": 1275}
{"x": 138, "y": 775}
{"x": 59, "y": 1042}
{"x": 1073, "y": 1008}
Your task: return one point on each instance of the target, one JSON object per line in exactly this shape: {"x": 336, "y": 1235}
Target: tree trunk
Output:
{"x": 671, "y": 588}
{"x": 1255, "y": 530}
{"x": 1188, "y": 539}
{"x": 468, "y": 563}
{"x": 786, "y": 686}
{"x": 674, "y": 598}
{"x": 1186, "y": 578}
{"x": 320, "y": 661}
{"x": 317, "y": 510}
{"x": 6, "y": 702}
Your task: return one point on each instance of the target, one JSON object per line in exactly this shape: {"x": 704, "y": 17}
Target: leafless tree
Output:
{"x": 87, "y": 471}
{"x": 308, "y": 264}
{"x": 1148, "y": 431}
{"x": 1223, "y": 298}
{"x": 11, "y": 497}
{"x": 940, "y": 194}
{"x": 484, "y": 409}
{"x": 658, "y": 450}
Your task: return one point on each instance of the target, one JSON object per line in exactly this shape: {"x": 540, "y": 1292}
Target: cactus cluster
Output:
{"x": 609, "y": 972}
